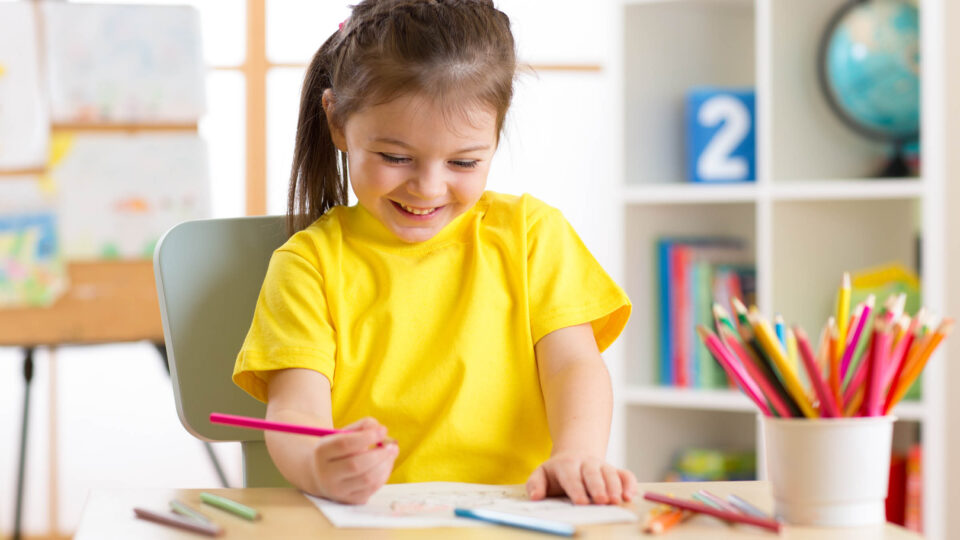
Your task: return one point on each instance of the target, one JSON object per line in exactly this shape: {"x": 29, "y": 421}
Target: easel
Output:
{"x": 107, "y": 302}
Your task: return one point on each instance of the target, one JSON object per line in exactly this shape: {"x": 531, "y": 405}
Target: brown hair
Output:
{"x": 455, "y": 52}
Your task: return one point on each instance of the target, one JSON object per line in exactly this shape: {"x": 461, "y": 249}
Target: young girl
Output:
{"x": 468, "y": 323}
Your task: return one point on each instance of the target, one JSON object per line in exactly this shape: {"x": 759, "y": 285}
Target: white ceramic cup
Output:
{"x": 829, "y": 472}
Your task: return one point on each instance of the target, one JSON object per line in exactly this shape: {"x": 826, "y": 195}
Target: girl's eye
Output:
{"x": 465, "y": 164}
{"x": 393, "y": 159}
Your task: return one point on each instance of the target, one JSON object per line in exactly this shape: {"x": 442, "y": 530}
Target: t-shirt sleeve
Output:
{"x": 567, "y": 286}
{"x": 291, "y": 327}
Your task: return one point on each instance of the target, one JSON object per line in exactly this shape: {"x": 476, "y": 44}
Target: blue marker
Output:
{"x": 513, "y": 520}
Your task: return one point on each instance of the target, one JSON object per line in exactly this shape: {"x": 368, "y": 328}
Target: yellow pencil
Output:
{"x": 843, "y": 313}
{"x": 768, "y": 340}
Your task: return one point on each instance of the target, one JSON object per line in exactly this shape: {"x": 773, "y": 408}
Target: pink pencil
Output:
{"x": 873, "y": 400}
{"x": 828, "y": 403}
{"x": 851, "y": 345}
{"x": 257, "y": 423}
{"x": 733, "y": 368}
{"x": 859, "y": 376}
{"x": 900, "y": 351}
{"x": 757, "y": 375}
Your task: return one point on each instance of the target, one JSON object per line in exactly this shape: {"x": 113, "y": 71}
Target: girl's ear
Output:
{"x": 335, "y": 132}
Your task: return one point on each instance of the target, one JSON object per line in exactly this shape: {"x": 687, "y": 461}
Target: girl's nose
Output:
{"x": 429, "y": 183}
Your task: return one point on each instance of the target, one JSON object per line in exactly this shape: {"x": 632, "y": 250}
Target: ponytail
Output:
{"x": 317, "y": 181}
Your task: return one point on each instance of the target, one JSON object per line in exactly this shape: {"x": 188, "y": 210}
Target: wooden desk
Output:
{"x": 288, "y": 514}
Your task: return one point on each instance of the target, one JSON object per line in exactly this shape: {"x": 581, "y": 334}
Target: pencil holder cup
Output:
{"x": 830, "y": 472}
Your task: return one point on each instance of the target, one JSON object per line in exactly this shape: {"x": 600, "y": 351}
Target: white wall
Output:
{"x": 952, "y": 347}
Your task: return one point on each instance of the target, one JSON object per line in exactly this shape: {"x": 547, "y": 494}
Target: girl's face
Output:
{"x": 412, "y": 167}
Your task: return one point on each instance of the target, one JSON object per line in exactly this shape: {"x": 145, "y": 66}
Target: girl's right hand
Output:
{"x": 350, "y": 467}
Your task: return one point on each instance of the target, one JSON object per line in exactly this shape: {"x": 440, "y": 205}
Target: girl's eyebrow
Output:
{"x": 405, "y": 145}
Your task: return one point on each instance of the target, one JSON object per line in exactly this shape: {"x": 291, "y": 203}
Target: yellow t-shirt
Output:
{"x": 434, "y": 339}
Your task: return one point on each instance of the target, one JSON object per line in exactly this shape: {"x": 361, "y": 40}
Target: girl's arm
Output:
{"x": 346, "y": 467}
{"x": 579, "y": 402}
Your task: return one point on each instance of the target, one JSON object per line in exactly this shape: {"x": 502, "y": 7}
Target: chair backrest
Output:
{"x": 209, "y": 273}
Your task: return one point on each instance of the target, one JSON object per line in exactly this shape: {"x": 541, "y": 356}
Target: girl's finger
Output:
{"x": 629, "y": 484}
{"x": 537, "y": 484}
{"x": 368, "y": 483}
{"x": 572, "y": 485}
{"x": 594, "y": 481}
{"x": 614, "y": 485}
{"x": 346, "y": 444}
{"x": 360, "y": 464}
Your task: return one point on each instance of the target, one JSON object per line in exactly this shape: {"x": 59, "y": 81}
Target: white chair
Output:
{"x": 209, "y": 273}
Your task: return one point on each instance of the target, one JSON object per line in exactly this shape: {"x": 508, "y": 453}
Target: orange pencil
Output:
{"x": 661, "y": 520}
{"x": 834, "y": 361}
{"x": 913, "y": 371}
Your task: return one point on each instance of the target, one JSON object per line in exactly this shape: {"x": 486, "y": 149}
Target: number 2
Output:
{"x": 716, "y": 163}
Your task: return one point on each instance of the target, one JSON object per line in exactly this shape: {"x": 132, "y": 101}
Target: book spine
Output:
{"x": 665, "y": 375}
{"x": 681, "y": 320}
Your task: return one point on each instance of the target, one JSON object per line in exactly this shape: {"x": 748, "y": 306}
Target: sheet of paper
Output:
{"x": 24, "y": 118}
{"x": 431, "y": 504}
{"x": 128, "y": 64}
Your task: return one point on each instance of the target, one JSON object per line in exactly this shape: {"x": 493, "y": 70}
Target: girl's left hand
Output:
{"x": 584, "y": 479}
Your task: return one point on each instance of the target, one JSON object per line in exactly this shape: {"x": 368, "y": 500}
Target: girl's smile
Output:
{"x": 415, "y": 165}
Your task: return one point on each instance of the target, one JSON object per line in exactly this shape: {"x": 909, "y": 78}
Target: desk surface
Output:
{"x": 108, "y": 514}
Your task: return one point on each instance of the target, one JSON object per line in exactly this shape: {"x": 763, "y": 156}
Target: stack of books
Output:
{"x": 693, "y": 274}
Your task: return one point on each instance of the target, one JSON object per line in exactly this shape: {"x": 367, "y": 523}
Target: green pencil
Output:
{"x": 233, "y": 507}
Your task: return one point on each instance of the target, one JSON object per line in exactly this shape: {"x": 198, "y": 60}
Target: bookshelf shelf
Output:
{"x": 814, "y": 211}
{"x": 675, "y": 193}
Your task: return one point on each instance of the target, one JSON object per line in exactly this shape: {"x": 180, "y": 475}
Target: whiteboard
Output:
{"x": 24, "y": 117}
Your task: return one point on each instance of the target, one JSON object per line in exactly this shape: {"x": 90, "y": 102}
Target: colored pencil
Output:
{"x": 661, "y": 518}
{"x": 854, "y": 392}
{"x": 178, "y": 521}
{"x": 550, "y": 526}
{"x": 913, "y": 371}
{"x": 257, "y": 423}
{"x": 834, "y": 361}
{"x": 694, "y": 506}
{"x": 768, "y": 342}
{"x": 720, "y": 503}
{"x": 851, "y": 345}
{"x": 763, "y": 364}
{"x": 734, "y": 369}
{"x": 178, "y": 507}
{"x": 843, "y": 311}
{"x": 722, "y": 316}
{"x": 792, "y": 353}
{"x": 778, "y": 329}
{"x": 741, "y": 311}
{"x": 229, "y": 505}
{"x": 746, "y": 507}
{"x": 876, "y": 365}
{"x": 899, "y": 354}
{"x": 828, "y": 404}
{"x": 753, "y": 367}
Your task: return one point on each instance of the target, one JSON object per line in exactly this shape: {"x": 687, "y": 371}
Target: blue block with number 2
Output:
{"x": 721, "y": 141}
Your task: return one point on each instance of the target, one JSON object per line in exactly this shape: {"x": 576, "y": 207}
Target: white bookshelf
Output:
{"x": 813, "y": 213}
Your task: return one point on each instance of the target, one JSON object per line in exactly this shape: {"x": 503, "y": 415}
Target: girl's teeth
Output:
{"x": 417, "y": 211}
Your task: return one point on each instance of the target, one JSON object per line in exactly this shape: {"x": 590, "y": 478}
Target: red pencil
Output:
{"x": 693, "y": 506}
{"x": 828, "y": 405}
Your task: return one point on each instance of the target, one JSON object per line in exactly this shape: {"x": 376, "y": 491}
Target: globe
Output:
{"x": 869, "y": 69}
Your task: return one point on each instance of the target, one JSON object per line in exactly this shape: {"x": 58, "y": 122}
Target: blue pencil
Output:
{"x": 778, "y": 328}
{"x": 513, "y": 520}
